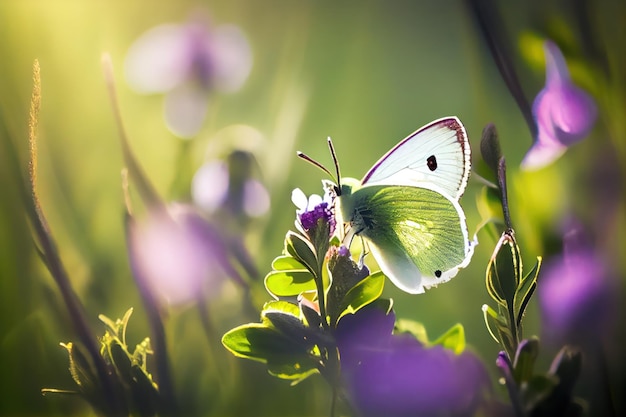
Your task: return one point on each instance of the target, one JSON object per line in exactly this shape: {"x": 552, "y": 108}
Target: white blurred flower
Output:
{"x": 188, "y": 62}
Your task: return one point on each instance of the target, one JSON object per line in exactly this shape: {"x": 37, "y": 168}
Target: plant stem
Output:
{"x": 333, "y": 403}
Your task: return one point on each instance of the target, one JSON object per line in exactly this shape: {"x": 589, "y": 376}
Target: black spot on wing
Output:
{"x": 438, "y": 273}
{"x": 431, "y": 162}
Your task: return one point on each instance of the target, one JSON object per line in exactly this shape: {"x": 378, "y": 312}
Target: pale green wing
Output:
{"x": 418, "y": 236}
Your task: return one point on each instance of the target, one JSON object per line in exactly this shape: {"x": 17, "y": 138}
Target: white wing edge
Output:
{"x": 400, "y": 270}
{"x": 467, "y": 157}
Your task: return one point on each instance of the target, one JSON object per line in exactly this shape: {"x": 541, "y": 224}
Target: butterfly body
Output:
{"x": 407, "y": 207}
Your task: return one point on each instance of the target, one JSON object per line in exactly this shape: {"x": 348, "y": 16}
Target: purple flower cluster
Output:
{"x": 309, "y": 219}
{"x": 313, "y": 210}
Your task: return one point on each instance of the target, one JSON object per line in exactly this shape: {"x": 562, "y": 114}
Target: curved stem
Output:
{"x": 50, "y": 254}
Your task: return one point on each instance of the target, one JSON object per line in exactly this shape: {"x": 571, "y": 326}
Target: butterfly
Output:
{"x": 406, "y": 208}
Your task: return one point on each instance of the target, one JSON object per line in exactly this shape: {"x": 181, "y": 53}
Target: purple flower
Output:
{"x": 564, "y": 113}
{"x": 575, "y": 294}
{"x": 177, "y": 256}
{"x": 313, "y": 209}
{"x": 395, "y": 375}
{"x": 228, "y": 185}
{"x": 188, "y": 62}
{"x": 344, "y": 251}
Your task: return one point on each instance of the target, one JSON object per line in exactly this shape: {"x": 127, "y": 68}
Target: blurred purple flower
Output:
{"x": 188, "y": 62}
{"x": 311, "y": 210}
{"x": 575, "y": 294}
{"x": 228, "y": 185}
{"x": 564, "y": 113}
{"x": 395, "y": 375}
{"x": 177, "y": 256}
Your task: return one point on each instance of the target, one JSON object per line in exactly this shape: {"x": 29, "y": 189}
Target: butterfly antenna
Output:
{"x": 334, "y": 155}
{"x": 307, "y": 158}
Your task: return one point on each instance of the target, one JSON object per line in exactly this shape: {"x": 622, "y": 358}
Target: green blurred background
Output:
{"x": 365, "y": 73}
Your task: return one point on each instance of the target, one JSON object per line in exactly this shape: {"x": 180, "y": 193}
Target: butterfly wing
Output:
{"x": 418, "y": 236}
{"x": 437, "y": 154}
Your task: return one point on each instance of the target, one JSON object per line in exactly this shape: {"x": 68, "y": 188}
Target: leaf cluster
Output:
{"x": 133, "y": 381}
{"x": 531, "y": 393}
{"x": 313, "y": 287}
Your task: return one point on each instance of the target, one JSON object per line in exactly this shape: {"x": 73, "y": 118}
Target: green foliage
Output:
{"x": 299, "y": 248}
{"x": 531, "y": 393}
{"x": 362, "y": 294}
{"x": 510, "y": 290}
{"x": 141, "y": 392}
{"x": 288, "y": 278}
{"x": 294, "y": 337}
{"x": 133, "y": 381}
{"x": 453, "y": 339}
{"x": 544, "y": 394}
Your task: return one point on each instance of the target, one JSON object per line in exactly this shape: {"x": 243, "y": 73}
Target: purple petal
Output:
{"x": 542, "y": 154}
{"x": 394, "y": 375}
{"x": 158, "y": 60}
{"x": 232, "y": 58}
{"x": 575, "y": 293}
{"x": 556, "y": 67}
{"x": 565, "y": 114}
{"x": 209, "y": 186}
{"x": 177, "y": 256}
{"x": 185, "y": 109}
{"x": 256, "y": 199}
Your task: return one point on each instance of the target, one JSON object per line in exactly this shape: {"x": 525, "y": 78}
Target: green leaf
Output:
{"x": 453, "y": 339}
{"x": 412, "y": 327}
{"x": 281, "y": 306}
{"x": 362, "y": 294}
{"x": 567, "y": 366}
{"x": 285, "y": 317}
{"x": 146, "y": 399}
{"x": 84, "y": 376}
{"x": 80, "y": 368}
{"x": 117, "y": 327}
{"x": 291, "y": 327}
{"x": 142, "y": 350}
{"x": 312, "y": 316}
{"x": 289, "y": 283}
{"x": 296, "y": 369}
{"x": 284, "y": 358}
{"x": 301, "y": 249}
{"x": 502, "y": 276}
{"x": 287, "y": 263}
{"x": 537, "y": 389}
{"x": 498, "y": 327}
{"x": 258, "y": 342}
{"x": 108, "y": 323}
{"x": 121, "y": 360}
{"x": 525, "y": 291}
{"x": 490, "y": 315}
